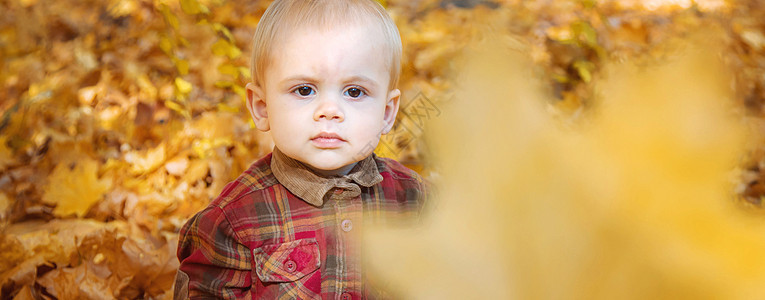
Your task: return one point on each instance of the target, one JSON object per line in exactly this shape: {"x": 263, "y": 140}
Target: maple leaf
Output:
{"x": 75, "y": 189}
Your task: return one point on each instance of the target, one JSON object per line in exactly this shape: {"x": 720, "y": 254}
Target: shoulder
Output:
{"x": 256, "y": 179}
{"x": 397, "y": 171}
{"x": 241, "y": 204}
{"x": 401, "y": 182}
{"x": 402, "y": 190}
{"x": 245, "y": 198}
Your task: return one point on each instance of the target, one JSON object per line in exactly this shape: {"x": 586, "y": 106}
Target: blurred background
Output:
{"x": 615, "y": 146}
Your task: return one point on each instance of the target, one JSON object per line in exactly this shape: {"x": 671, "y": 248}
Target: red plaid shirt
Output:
{"x": 281, "y": 232}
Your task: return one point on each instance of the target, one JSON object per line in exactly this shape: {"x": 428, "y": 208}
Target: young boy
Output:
{"x": 324, "y": 83}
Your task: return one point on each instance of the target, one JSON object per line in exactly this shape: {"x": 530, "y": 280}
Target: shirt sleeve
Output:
{"x": 213, "y": 263}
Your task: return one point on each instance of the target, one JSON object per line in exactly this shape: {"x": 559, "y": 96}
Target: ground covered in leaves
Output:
{"x": 119, "y": 119}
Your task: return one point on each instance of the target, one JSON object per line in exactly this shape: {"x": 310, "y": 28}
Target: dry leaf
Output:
{"x": 183, "y": 86}
{"x": 75, "y": 188}
{"x": 26, "y": 293}
{"x": 146, "y": 161}
{"x": 177, "y": 166}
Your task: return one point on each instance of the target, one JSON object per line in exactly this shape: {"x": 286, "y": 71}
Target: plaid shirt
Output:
{"x": 281, "y": 232}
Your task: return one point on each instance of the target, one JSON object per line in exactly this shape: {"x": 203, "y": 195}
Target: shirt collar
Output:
{"x": 314, "y": 189}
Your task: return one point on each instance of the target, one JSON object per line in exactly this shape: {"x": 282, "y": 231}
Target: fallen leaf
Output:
{"x": 177, "y": 166}
{"x": 183, "y": 86}
{"x": 193, "y": 7}
{"x": 224, "y": 48}
{"x": 74, "y": 189}
{"x": 146, "y": 161}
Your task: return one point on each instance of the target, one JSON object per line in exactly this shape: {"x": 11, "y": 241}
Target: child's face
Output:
{"x": 326, "y": 96}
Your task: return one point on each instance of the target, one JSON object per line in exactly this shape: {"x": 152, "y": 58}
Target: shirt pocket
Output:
{"x": 293, "y": 265}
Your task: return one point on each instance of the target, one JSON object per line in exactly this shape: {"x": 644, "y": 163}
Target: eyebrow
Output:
{"x": 298, "y": 78}
{"x": 360, "y": 78}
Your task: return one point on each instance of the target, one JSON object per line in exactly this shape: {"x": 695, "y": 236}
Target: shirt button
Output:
{"x": 346, "y": 225}
{"x": 290, "y": 265}
{"x": 346, "y": 296}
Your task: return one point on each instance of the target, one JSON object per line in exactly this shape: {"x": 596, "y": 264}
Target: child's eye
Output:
{"x": 354, "y": 92}
{"x": 304, "y": 91}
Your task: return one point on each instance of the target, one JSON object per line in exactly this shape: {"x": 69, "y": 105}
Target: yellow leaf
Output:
{"x": 229, "y": 69}
{"x": 224, "y": 84}
{"x": 75, "y": 190}
{"x": 193, "y": 7}
{"x": 184, "y": 42}
{"x": 112, "y": 164}
{"x": 147, "y": 88}
{"x": 220, "y": 48}
{"x": 224, "y": 48}
{"x": 196, "y": 171}
{"x": 177, "y": 108}
{"x": 183, "y": 86}
{"x": 182, "y": 65}
{"x": 585, "y": 33}
{"x": 227, "y": 108}
{"x": 239, "y": 90}
{"x": 204, "y": 147}
{"x": 383, "y": 150}
{"x": 222, "y": 29}
{"x": 212, "y": 126}
{"x": 584, "y": 68}
{"x": 170, "y": 18}
{"x": 643, "y": 181}
{"x": 245, "y": 72}
{"x": 146, "y": 161}
{"x": 558, "y": 77}
{"x": 166, "y": 45}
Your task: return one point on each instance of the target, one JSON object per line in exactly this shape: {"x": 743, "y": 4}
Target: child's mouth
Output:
{"x": 326, "y": 140}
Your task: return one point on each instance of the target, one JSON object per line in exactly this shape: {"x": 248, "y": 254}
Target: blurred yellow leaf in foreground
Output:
{"x": 634, "y": 202}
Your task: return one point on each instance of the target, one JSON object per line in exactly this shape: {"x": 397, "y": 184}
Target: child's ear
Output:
{"x": 391, "y": 109}
{"x": 256, "y": 104}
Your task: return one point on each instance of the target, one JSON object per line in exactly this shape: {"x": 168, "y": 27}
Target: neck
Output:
{"x": 334, "y": 173}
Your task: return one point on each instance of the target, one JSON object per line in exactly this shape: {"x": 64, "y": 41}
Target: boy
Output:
{"x": 324, "y": 83}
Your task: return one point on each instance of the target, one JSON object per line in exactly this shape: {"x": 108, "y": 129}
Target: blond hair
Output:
{"x": 283, "y": 17}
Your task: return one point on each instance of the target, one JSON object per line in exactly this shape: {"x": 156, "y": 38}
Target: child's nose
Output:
{"x": 329, "y": 108}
